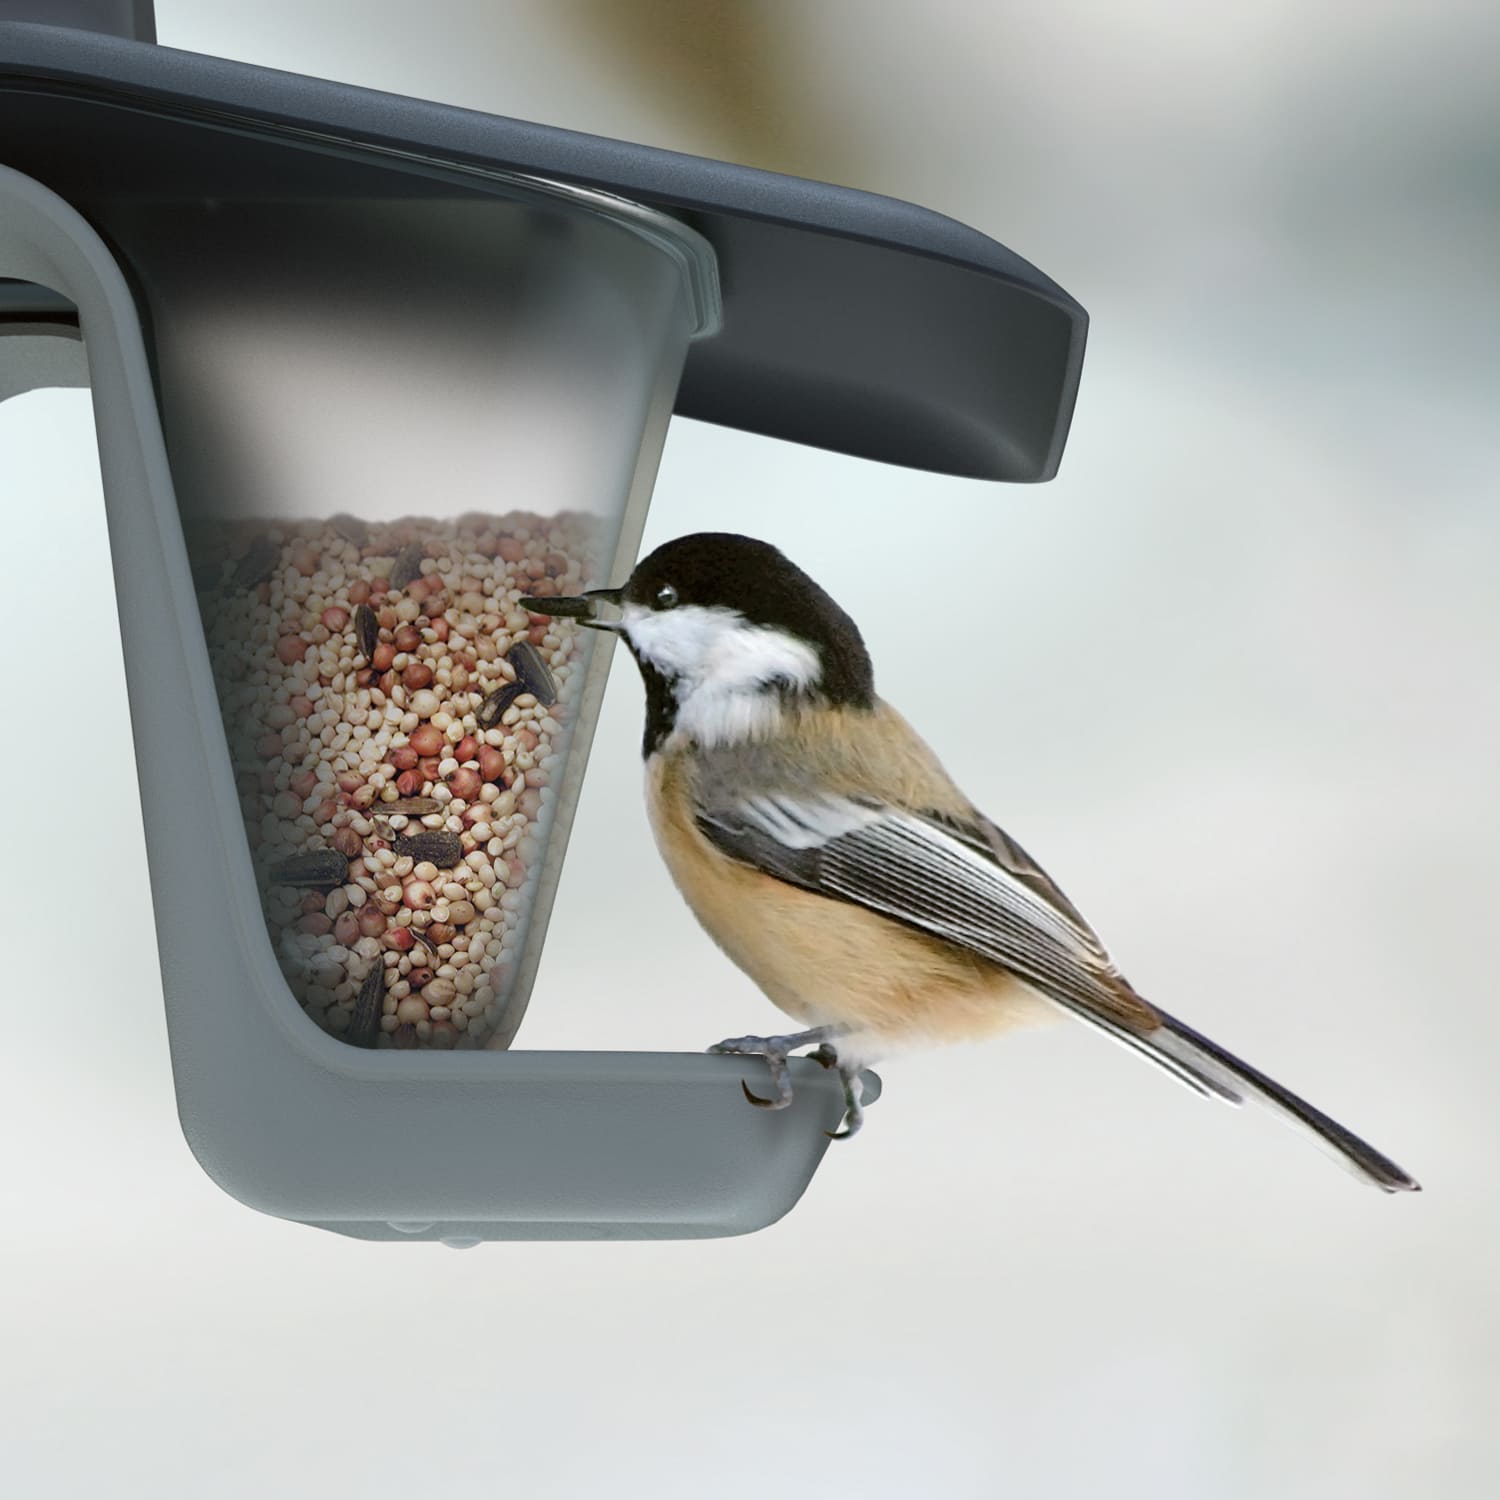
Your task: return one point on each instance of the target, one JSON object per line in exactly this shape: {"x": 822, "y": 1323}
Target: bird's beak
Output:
{"x": 587, "y": 608}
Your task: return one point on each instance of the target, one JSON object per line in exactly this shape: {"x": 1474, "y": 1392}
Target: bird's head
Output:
{"x": 727, "y": 633}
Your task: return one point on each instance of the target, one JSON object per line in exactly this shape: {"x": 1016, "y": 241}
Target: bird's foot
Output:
{"x": 854, "y": 1092}
{"x": 776, "y": 1050}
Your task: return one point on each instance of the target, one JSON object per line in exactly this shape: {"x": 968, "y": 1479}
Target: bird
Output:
{"x": 821, "y": 844}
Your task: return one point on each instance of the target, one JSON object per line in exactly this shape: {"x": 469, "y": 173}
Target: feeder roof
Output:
{"x": 852, "y": 321}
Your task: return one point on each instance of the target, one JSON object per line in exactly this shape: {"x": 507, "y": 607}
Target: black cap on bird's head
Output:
{"x": 725, "y": 628}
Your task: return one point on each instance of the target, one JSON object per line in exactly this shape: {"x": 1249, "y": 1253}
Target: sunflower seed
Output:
{"x": 320, "y": 870}
{"x": 487, "y": 715}
{"x": 411, "y": 807}
{"x": 351, "y": 528}
{"x": 533, "y": 673}
{"x": 366, "y": 630}
{"x": 257, "y": 564}
{"x": 438, "y": 846}
{"x": 364, "y": 1024}
{"x": 407, "y": 566}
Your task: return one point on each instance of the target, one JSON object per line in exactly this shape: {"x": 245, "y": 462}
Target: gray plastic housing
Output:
{"x": 283, "y": 1117}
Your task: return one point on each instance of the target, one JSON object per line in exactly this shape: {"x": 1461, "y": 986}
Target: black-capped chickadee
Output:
{"x": 821, "y": 844}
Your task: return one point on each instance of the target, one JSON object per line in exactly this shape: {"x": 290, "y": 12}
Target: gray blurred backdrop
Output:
{"x": 1232, "y": 676}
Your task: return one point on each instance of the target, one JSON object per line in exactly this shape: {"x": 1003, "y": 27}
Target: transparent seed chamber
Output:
{"x": 367, "y": 485}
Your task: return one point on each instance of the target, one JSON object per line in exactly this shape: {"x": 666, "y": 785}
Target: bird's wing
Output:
{"x": 962, "y": 882}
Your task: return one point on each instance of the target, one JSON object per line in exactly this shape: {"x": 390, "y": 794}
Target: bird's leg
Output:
{"x": 854, "y": 1091}
{"x": 776, "y": 1050}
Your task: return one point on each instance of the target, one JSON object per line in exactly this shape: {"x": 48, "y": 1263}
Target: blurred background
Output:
{"x": 1232, "y": 677}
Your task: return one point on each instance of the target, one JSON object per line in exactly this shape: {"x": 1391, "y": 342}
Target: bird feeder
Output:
{"x": 366, "y": 370}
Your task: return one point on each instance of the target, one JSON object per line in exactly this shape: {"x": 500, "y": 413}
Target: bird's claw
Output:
{"x": 776, "y": 1050}
{"x": 854, "y": 1090}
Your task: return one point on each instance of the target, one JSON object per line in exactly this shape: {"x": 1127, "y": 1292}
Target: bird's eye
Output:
{"x": 666, "y": 597}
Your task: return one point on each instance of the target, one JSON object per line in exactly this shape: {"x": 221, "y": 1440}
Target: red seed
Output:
{"x": 399, "y": 938}
{"x": 466, "y": 749}
{"x": 410, "y": 783}
{"x": 305, "y": 560}
{"x": 464, "y": 783}
{"x": 290, "y": 648}
{"x": 404, "y": 758}
{"x": 324, "y": 811}
{"x": 491, "y": 763}
{"x": 351, "y": 781}
{"x": 388, "y": 619}
{"x": 441, "y": 932}
{"x": 312, "y": 902}
{"x": 317, "y": 923}
{"x": 430, "y": 766}
{"x": 301, "y": 706}
{"x": 416, "y": 674}
{"x": 335, "y": 617}
{"x": 359, "y": 592}
{"x": 303, "y": 784}
{"x": 388, "y": 681}
{"x": 379, "y": 587}
{"x": 439, "y": 625}
{"x": 364, "y": 676}
{"x": 537, "y": 635}
{"x": 510, "y": 549}
{"x": 371, "y": 921}
{"x": 408, "y": 638}
{"x": 418, "y": 894}
{"x": 346, "y": 929}
{"x": 418, "y": 977}
{"x": 385, "y": 655}
{"x": 543, "y": 588}
{"x": 347, "y": 842}
{"x": 427, "y": 739}
{"x": 458, "y": 679}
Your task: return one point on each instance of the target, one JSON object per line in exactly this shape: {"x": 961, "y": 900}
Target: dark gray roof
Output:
{"x": 851, "y": 321}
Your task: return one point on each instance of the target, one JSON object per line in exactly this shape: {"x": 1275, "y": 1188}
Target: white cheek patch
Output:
{"x": 719, "y": 666}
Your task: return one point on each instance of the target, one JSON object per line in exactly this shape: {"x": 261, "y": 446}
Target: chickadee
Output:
{"x": 821, "y": 844}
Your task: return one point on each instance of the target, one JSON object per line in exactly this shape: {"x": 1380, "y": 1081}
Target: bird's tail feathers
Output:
{"x": 1208, "y": 1069}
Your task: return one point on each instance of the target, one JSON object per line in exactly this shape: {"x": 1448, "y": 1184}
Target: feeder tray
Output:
{"x": 285, "y": 292}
